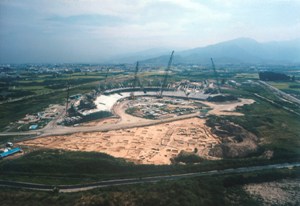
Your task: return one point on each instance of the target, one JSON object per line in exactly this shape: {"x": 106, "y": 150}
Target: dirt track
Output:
{"x": 227, "y": 108}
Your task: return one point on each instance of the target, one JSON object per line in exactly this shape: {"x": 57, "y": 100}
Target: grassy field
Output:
{"x": 61, "y": 167}
{"x": 253, "y": 76}
{"x": 277, "y": 129}
{"x": 41, "y": 84}
{"x": 66, "y": 167}
{"x": 286, "y": 85}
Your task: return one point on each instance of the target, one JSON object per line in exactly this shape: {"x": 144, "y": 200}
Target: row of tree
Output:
{"x": 274, "y": 76}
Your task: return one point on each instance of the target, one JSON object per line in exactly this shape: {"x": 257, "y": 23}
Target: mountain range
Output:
{"x": 236, "y": 51}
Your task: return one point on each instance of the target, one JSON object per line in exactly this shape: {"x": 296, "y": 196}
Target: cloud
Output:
{"x": 116, "y": 26}
{"x": 86, "y": 19}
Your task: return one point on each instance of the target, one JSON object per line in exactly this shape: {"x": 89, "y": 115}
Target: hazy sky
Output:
{"x": 92, "y": 30}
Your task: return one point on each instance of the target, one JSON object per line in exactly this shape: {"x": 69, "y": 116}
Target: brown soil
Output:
{"x": 100, "y": 122}
{"x": 159, "y": 143}
{"x": 147, "y": 145}
{"x": 227, "y": 108}
{"x": 235, "y": 140}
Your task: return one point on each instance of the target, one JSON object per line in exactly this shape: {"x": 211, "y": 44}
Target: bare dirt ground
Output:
{"x": 227, "y": 108}
{"x": 144, "y": 145}
{"x": 236, "y": 141}
{"x": 100, "y": 122}
{"x": 284, "y": 192}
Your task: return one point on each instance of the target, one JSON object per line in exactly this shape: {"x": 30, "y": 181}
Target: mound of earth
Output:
{"x": 187, "y": 158}
{"x": 235, "y": 140}
{"x": 222, "y": 98}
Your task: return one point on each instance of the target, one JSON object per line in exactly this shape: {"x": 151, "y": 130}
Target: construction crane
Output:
{"x": 164, "y": 84}
{"x": 106, "y": 74}
{"x": 105, "y": 79}
{"x": 135, "y": 80}
{"x": 216, "y": 75}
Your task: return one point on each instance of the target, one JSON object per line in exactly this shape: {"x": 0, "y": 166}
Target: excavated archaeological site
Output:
{"x": 154, "y": 144}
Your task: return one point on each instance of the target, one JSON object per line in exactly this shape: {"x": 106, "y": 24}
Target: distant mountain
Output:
{"x": 242, "y": 50}
{"x": 138, "y": 56}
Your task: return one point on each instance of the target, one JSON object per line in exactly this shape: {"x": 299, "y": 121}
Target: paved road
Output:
{"x": 281, "y": 93}
{"x": 130, "y": 181}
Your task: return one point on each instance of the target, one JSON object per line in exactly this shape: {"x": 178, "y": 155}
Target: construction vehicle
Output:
{"x": 164, "y": 84}
{"x": 216, "y": 76}
{"x": 9, "y": 144}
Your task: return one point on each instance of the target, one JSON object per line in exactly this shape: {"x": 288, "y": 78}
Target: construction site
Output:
{"x": 148, "y": 125}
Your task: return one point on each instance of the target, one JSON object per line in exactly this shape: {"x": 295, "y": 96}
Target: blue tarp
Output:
{"x": 10, "y": 152}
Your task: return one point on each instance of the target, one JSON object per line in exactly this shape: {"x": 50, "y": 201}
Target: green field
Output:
{"x": 286, "y": 85}
{"x": 292, "y": 88}
{"x": 277, "y": 128}
{"x": 253, "y": 76}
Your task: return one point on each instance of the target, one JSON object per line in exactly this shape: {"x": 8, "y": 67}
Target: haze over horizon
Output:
{"x": 44, "y": 31}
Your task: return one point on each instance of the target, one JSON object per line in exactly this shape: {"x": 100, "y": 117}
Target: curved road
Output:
{"x": 123, "y": 124}
{"x": 126, "y": 121}
{"x": 130, "y": 181}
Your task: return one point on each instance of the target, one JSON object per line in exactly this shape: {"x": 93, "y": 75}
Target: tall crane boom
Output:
{"x": 135, "y": 74}
{"x": 135, "y": 80}
{"x": 164, "y": 84}
{"x": 105, "y": 80}
{"x": 106, "y": 74}
{"x": 216, "y": 75}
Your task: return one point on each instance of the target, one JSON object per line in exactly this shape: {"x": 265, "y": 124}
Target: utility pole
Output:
{"x": 105, "y": 78}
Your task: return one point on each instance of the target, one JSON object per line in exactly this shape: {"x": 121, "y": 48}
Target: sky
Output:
{"x": 92, "y": 31}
